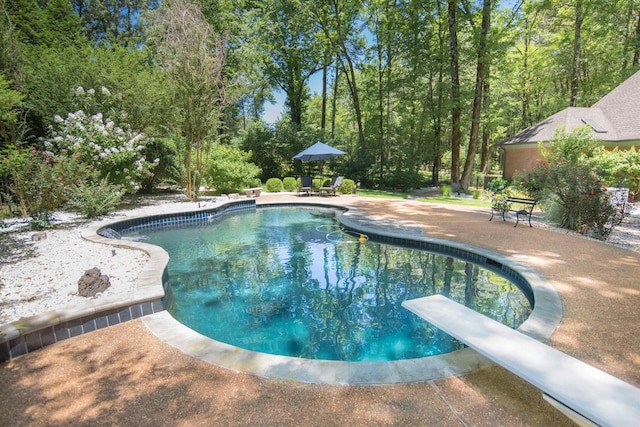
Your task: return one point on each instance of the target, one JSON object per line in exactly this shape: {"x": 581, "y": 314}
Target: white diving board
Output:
{"x": 585, "y": 394}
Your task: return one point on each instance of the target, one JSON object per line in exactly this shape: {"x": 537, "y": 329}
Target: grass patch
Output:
{"x": 382, "y": 194}
{"x": 462, "y": 201}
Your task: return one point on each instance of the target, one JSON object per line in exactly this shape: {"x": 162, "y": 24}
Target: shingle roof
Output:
{"x": 616, "y": 117}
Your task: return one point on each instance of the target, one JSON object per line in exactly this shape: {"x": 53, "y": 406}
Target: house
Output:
{"x": 615, "y": 120}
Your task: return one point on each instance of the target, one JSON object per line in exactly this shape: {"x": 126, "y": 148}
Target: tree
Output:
{"x": 193, "y": 57}
{"x": 10, "y": 102}
{"x": 296, "y": 52}
{"x": 339, "y": 20}
{"x": 483, "y": 62}
{"x": 575, "y": 63}
{"x": 456, "y": 108}
{"x": 108, "y": 22}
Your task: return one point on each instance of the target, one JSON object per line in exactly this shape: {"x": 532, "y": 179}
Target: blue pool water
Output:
{"x": 289, "y": 281}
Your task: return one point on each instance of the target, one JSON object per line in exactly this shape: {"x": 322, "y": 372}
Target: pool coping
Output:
{"x": 146, "y": 302}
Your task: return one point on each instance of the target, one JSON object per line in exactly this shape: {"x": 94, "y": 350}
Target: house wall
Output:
{"x": 519, "y": 159}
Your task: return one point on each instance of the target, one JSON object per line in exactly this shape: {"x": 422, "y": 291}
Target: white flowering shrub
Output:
{"x": 98, "y": 141}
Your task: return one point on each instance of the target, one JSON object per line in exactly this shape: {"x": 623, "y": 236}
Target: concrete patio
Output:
{"x": 124, "y": 375}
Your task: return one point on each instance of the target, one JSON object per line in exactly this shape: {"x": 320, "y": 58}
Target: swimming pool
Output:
{"x": 289, "y": 281}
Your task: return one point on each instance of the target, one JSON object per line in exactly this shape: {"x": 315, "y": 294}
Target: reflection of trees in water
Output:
{"x": 353, "y": 298}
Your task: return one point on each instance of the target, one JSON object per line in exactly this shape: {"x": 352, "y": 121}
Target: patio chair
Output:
{"x": 336, "y": 183}
{"x": 306, "y": 183}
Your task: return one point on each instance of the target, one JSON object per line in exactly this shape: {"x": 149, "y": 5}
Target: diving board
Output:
{"x": 586, "y": 394}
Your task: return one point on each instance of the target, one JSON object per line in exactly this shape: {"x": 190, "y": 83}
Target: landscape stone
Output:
{"x": 92, "y": 282}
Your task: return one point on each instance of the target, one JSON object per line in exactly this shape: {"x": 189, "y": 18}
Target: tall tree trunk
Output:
{"x": 636, "y": 50}
{"x": 575, "y": 69}
{"x": 334, "y": 96}
{"x": 381, "y": 144}
{"x": 483, "y": 60}
{"x": 390, "y": 57}
{"x": 486, "y": 132}
{"x": 350, "y": 74}
{"x": 456, "y": 135}
{"x": 294, "y": 102}
{"x": 323, "y": 117}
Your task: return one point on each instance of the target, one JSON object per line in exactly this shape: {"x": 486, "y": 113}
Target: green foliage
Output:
{"x": 92, "y": 200}
{"x": 347, "y": 186}
{"x": 497, "y": 184}
{"x": 499, "y": 201}
{"x": 167, "y": 168}
{"x": 399, "y": 121}
{"x": 446, "y": 190}
{"x": 619, "y": 168}
{"x": 229, "y": 169}
{"x": 43, "y": 183}
{"x": 10, "y": 101}
{"x": 576, "y": 196}
{"x": 570, "y": 146}
{"x": 258, "y": 140}
{"x": 403, "y": 180}
{"x": 316, "y": 183}
{"x": 290, "y": 183}
{"x": 274, "y": 185}
{"x": 361, "y": 167}
{"x": 34, "y": 182}
{"x": 571, "y": 188}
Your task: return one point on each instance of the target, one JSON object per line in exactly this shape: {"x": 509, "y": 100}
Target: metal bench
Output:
{"x": 585, "y": 394}
{"x": 525, "y": 208}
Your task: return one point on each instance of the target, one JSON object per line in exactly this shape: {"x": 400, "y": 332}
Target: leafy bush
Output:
{"x": 576, "y": 198}
{"x": 619, "y": 168}
{"x": 289, "y": 183}
{"x": 92, "y": 200}
{"x": 347, "y": 186}
{"x": 571, "y": 188}
{"x": 446, "y": 190}
{"x": 167, "y": 168}
{"x": 316, "y": 183}
{"x": 497, "y": 184}
{"x": 274, "y": 185}
{"x": 34, "y": 182}
{"x": 229, "y": 169}
{"x": 403, "y": 180}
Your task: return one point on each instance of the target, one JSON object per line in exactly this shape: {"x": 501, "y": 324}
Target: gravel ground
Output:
{"x": 38, "y": 276}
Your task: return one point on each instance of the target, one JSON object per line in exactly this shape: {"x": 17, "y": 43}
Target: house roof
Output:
{"x": 616, "y": 117}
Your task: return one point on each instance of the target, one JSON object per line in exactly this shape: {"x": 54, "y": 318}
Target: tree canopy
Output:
{"x": 413, "y": 90}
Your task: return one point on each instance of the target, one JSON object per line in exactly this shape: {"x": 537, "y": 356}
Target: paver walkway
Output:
{"x": 124, "y": 376}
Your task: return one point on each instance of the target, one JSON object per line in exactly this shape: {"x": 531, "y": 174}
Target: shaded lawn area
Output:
{"x": 388, "y": 194}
